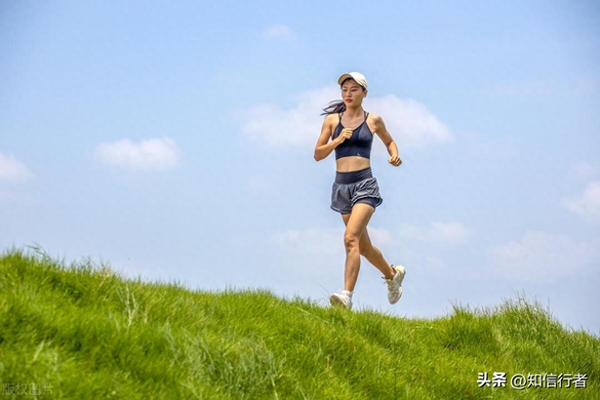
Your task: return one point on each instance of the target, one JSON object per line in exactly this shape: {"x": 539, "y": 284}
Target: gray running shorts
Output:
{"x": 354, "y": 187}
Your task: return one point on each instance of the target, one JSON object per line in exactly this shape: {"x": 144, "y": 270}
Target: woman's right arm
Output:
{"x": 324, "y": 147}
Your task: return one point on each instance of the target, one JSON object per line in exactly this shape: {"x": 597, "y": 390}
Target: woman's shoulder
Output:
{"x": 374, "y": 117}
{"x": 332, "y": 118}
{"x": 374, "y": 122}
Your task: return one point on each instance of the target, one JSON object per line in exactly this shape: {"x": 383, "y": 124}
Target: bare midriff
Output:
{"x": 354, "y": 163}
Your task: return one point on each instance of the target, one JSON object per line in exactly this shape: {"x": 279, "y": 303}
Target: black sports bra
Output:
{"x": 359, "y": 144}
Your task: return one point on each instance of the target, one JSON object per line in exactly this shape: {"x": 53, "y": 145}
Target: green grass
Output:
{"x": 92, "y": 334}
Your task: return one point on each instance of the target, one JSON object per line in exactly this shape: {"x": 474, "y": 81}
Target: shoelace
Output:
{"x": 388, "y": 282}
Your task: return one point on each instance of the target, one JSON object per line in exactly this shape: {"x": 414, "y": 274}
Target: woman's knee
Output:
{"x": 351, "y": 240}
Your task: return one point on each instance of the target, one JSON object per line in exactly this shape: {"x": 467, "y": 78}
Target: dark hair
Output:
{"x": 334, "y": 107}
{"x": 337, "y": 106}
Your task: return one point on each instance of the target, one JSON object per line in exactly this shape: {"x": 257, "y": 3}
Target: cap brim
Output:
{"x": 343, "y": 78}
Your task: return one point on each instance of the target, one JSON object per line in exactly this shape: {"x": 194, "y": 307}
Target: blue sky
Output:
{"x": 174, "y": 140}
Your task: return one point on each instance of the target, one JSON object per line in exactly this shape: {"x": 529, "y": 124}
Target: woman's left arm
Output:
{"x": 386, "y": 138}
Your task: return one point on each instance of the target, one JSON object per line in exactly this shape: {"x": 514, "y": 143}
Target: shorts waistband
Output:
{"x": 353, "y": 176}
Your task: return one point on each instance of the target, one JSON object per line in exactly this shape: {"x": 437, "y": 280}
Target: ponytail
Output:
{"x": 334, "y": 107}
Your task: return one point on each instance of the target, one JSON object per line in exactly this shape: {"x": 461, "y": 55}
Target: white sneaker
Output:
{"x": 341, "y": 298}
{"x": 395, "y": 284}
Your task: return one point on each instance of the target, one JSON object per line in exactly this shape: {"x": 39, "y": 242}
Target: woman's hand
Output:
{"x": 346, "y": 133}
{"x": 395, "y": 161}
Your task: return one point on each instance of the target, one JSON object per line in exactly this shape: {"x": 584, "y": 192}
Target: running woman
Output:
{"x": 355, "y": 192}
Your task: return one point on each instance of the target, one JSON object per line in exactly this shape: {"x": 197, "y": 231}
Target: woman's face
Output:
{"x": 352, "y": 93}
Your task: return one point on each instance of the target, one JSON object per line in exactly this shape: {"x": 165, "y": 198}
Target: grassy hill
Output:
{"x": 87, "y": 333}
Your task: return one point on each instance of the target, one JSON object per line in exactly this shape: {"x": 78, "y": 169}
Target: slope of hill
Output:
{"x": 83, "y": 331}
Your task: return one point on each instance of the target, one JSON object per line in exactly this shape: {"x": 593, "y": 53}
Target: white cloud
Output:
{"x": 13, "y": 169}
{"x": 313, "y": 241}
{"x": 321, "y": 240}
{"x": 278, "y": 31}
{"x": 380, "y": 237}
{"x": 439, "y": 233}
{"x": 543, "y": 257}
{"x": 409, "y": 122}
{"x": 298, "y": 126}
{"x": 588, "y": 204}
{"x": 150, "y": 154}
{"x": 313, "y": 248}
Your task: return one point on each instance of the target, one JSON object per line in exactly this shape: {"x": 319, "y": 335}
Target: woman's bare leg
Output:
{"x": 355, "y": 227}
{"x": 371, "y": 252}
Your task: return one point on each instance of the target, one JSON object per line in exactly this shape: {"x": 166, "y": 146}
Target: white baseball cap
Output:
{"x": 357, "y": 76}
